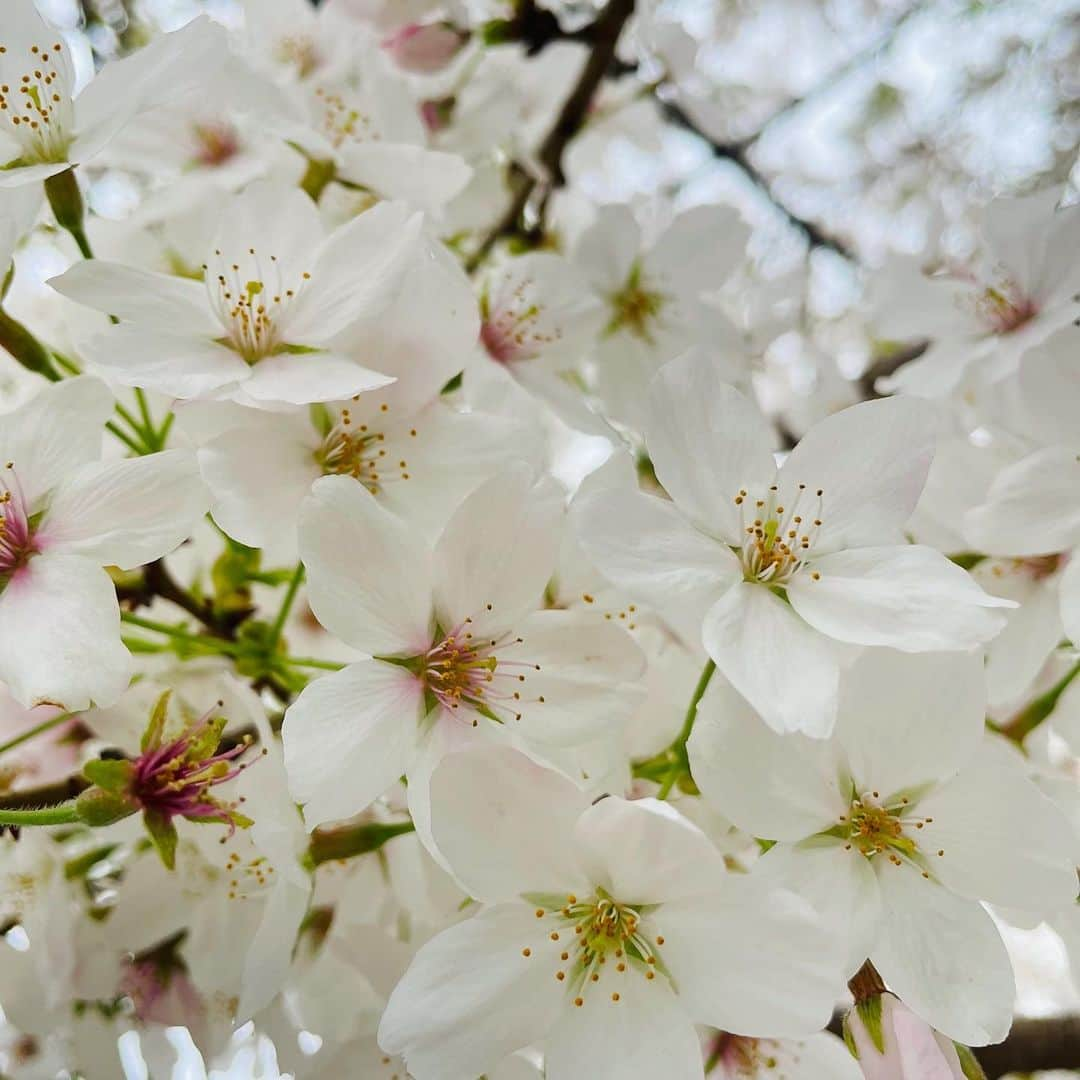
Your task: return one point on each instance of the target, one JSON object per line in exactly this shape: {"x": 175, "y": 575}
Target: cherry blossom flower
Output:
{"x": 45, "y": 127}
{"x": 460, "y": 651}
{"x": 605, "y": 936}
{"x": 899, "y": 826}
{"x": 261, "y": 328}
{"x": 780, "y": 570}
{"x": 65, "y": 515}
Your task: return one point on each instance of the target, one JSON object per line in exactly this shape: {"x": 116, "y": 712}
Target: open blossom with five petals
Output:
{"x": 261, "y": 328}
{"x": 607, "y": 932}
{"x": 898, "y": 827}
{"x": 778, "y": 570}
{"x": 45, "y": 127}
{"x": 64, "y": 515}
{"x": 460, "y": 651}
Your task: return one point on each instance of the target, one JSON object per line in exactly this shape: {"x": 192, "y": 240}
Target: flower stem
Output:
{"x": 37, "y": 729}
{"x": 205, "y": 641}
{"x": 680, "y": 762}
{"x": 1028, "y": 719}
{"x": 286, "y": 605}
{"x": 64, "y": 814}
{"x": 311, "y": 662}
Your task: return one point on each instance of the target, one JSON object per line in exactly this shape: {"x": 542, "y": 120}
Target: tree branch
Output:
{"x": 603, "y": 36}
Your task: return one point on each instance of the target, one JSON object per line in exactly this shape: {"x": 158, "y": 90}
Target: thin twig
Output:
{"x": 603, "y": 37}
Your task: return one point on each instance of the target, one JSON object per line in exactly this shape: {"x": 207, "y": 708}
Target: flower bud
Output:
{"x": 425, "y": 48}
{"x": 891, "y": 1043}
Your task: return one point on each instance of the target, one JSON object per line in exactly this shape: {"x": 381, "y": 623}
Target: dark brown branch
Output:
{"x": 737, "y": 153}
{"x": 1034, "y": 1045}
{"x": 603, "y": 36}
{"x": 46, "y": 795}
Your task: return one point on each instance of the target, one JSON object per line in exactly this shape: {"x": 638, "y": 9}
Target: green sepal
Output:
{"x": 969, "y": 1064}
{"x": 163, "y": 833}
{"x": 869, "y": 1010}
{"x": 849, "y": 1036}
{"x": 155, "y": 728}
{"x": 97, "y": 807}
{"x": 110, "y": 775}
{"x": 546, "y": 900}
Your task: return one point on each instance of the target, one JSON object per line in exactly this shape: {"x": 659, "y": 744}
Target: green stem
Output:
{"x": 37, "y": 729}
{"x": 311, "y": 662}
{"x": 205, "y": 641}
{"x": 286, "y": 606}
{"x": 124, "y": 437}
{"x": 148, "y": 420}
{"x": 1029, "y": 718}
{"x": 64, "y": 814}
{"x": 680, "y": 762}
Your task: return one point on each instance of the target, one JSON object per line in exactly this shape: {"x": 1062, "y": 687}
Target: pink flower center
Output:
{"x": 1005, "y": 308}
{"x": 175, "y": 779}
{"x": 17, "y": 543}
{"x": 463, "y": 669}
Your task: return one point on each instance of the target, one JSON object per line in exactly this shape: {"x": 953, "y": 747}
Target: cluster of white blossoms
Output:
{"x": 422, "y": 529}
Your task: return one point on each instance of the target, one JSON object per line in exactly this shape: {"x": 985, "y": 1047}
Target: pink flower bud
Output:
{"x": 892, "y": 1043}
{"x": 425, "y": 48}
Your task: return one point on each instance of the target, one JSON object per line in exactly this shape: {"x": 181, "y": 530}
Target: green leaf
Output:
{"x": 114, "y": 776}
{"x": 205, "y": 742}
{"x": 869, "y": 1011}
{"x": 163, "y": 833}
{"x": 155, "y": 729}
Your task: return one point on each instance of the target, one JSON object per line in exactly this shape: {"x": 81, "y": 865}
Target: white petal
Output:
{"x": 643, "y": 545}
{"x": 368, "y": 574}
{"x": 645, "y": 851}
{"x": 60, "y": 634}
{"x": 1004, "y": 841}
{"x": 1033, "y": 507}
{"x": 1070, "y": 598}
{"x": 356, "y": 274}
{"x": 728, "y": 953}
{"x": 778, "y": 787}
{"x": 645, "y": 1032}
{"x": 943, "y": 957}
{"x": 1018, "y": 654}
{"x": 426, "y": 179}
{"x": 126, "y": 513}
{"x": 173, "y": 364}
{"x": 906, "y": 720}
{"x": 706, "y": 442}
{"x": 838, "y": 884}
{"x": 348, "y": 737}
{"x": 269, "y": 957}
{"x": 307, "y": 378}
{"x": 470, "y": 997}
{"x": 498, "y": 551}
{"x": 159, "y": 301}
{"x": 505, "y": 825}
{"x": 786, "y": 670}
{"x": 259, "y": 473}
{"x": 56, "y": 431}
{"x": 910, "y": 598}
{"x": 584, "y": 679}
{"x": 871, "y": 462}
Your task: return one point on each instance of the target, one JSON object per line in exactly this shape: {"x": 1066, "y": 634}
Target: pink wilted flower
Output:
{"x": 171, "y": 777}
{"x": 424, "y": 48}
